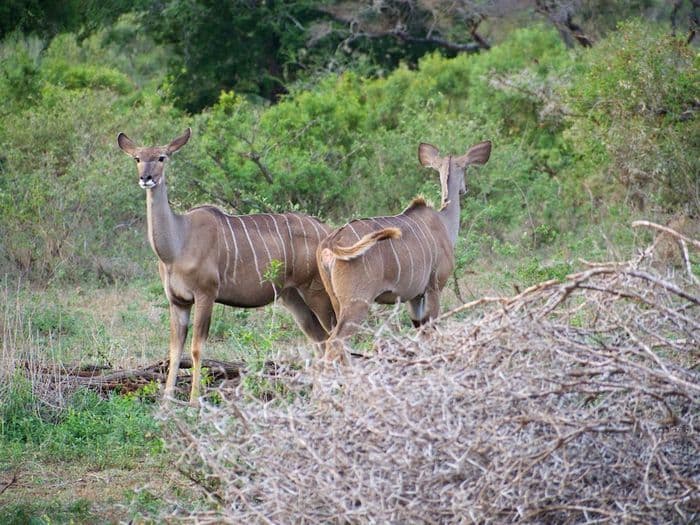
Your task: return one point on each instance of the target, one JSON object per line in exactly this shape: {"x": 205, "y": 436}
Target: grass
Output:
{"x": 51, "y": 512}
{"x": 60, "y": 463}
{"x": 80, "y": 458}
{"x": 76, "y": 457}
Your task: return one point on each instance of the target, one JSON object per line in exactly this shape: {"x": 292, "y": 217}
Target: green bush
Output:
{"x": 636, "y": 126}
{"x": 348, "y": 147}
{"x": 19, "y": 72}
{"x": 69, "y": 206}
{"x": 572, "y": 134}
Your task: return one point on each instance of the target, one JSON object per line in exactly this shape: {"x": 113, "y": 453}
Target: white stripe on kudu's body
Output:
{"x": 194, "y": 264}
{"x": 371, "y": 260}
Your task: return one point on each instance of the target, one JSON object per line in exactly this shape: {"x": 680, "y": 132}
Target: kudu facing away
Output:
{"x": 406, "y": 257}
{"x": 206, "y": 256}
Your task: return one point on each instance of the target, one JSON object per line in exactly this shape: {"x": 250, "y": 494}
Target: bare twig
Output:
{"x": 7, "y": 485}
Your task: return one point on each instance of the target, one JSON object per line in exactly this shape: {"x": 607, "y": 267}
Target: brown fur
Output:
{"x": 360, "y": 263}
{"x": 207, "y": 256}
{"x": 347, "y": 253}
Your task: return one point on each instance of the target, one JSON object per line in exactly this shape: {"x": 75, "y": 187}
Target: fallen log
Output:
{"x": 104, "y": 379}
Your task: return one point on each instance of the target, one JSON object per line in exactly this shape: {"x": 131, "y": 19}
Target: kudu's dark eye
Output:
{"x": 137, "y": 160}
{"x": 161, "y": 158}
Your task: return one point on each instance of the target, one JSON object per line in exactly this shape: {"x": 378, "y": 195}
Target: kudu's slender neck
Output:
{"x": 166, "y": 229}
{"x": 450, "y": 214}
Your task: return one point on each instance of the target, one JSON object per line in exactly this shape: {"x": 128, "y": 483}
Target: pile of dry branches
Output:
{"x": 574, "y": 401}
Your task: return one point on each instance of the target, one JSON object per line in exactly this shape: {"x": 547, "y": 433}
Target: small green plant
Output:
{"x": 116, "y": 430}
{"x": 47, "y": 513}
{"x": 504, "y": 248}
{"x": 544, "y": 234}
{"x": 142, "y": 503}
{"x": 149, "y": 392}
{"x": 51, "y": 319}
{"x": 534, "y": 271}
{"x": 273, "y": 272}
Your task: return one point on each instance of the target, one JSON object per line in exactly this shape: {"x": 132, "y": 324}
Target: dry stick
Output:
{"x": 686, "y": 260}
{"x": 483, "y": 379}
{"x": 668, "y": 230}
{"x": 664, "y": 284}
{"x": 505, "y": 301}
{"x": 9, "y": 483}
{"x": 682, "y": 242}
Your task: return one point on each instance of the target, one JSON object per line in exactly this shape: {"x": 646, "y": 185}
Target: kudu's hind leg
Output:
{"x": 316, "y": 297}
{"x": 417, "y": 310}
{"x": 179, "y": 320}
{"x": 352, "y": 313}
{"x": 203, "y": 306}
{"x": 305, "y": 318}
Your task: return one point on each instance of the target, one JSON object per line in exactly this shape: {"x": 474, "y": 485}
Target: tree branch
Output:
{"x": 254, "y": 157}
{"x": 471, "y": 47}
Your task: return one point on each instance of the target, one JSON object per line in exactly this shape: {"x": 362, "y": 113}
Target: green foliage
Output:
{"x": 61, "y": 67}
{"x": 143, "y": 505}
{"x": 635, "y": 95}
{"x": 48, "y": 17}
{"x": 52, "y": 320}
{"x": 65, "y": 205}
{"x": 255, "y": 48}
{"x": 533, "y": 271}
{"x": 273, "y": 272}
{"x": 43, "y": 513}
{"x": 570, "y": 132}
{"x": 19, "y": 71}
{"x": 115, "y": 431}
{"x": 348, "y": 147}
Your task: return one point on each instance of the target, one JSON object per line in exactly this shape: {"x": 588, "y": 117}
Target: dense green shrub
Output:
{"x": 570, "y": 130}
{"x": 69, "y": 207}
{"x": 348, "y": 146}
{"x": 19, "y": 72}
{"x": 636, "y": 127}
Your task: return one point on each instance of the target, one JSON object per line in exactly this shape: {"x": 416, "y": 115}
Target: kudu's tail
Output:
{"x": 347, "y": 253}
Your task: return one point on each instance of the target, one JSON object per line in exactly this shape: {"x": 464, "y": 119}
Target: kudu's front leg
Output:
{"x": 424, "y": 308}
{"x": 179, "y": 321}
{"x": 203, "y": 306}
{"x": 318, "y": 300}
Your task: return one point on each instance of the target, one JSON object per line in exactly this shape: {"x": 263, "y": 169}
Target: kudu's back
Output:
{"x": 260, "y": 255}
{"x": 411, "y": 253}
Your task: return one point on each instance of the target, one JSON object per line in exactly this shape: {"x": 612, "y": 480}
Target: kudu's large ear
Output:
{"x": 477, "y": 154}
{"x": 126, "y": 144}
{"x": 429, "y": 156}
{"x": 179, "y": 142}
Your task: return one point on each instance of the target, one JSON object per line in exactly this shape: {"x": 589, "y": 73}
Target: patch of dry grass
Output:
{"x": 571, "y": 402}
